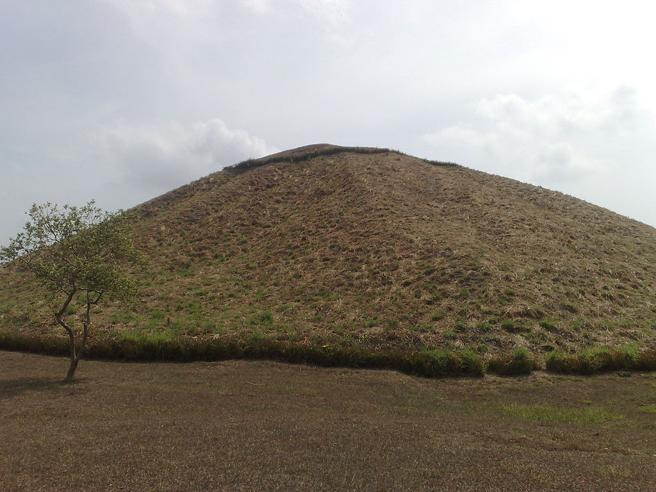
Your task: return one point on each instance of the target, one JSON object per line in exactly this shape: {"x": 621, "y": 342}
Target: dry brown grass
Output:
{"x": 266, "y": 426}
{"x": 377, "y": 250}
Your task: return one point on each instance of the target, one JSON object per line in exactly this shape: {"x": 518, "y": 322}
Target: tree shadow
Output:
{"x": 15, "y": 387}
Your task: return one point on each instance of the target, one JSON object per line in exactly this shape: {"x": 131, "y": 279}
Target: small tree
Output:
{"x": 79, "y": 254}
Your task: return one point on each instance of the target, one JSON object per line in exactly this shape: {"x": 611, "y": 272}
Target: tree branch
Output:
{"x": 86, "y": 323}
{"x": 97, "y": 300}
{"x": 60, "y": 319}
{"x": 68, "y": 300}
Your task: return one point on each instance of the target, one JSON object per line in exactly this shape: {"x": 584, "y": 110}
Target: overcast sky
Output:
{"x": 121, "y": 100}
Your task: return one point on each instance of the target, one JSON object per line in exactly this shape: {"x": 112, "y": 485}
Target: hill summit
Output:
{"x": 343, "y": 246}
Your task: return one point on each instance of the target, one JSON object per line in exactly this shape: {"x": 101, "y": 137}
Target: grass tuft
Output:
{"x": 602, "y": 359}
{"x": 520, "y": 362}
{"x": 512, "y": 327}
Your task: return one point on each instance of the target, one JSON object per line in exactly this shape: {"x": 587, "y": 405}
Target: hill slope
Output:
{"x": 333, "y": 246}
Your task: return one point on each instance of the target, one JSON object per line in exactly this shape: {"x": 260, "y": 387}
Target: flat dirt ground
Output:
{"x": 259, "y": 425}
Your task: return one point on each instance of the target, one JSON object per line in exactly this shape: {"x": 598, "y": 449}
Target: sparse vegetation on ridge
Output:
{"x": 303, "y": 154}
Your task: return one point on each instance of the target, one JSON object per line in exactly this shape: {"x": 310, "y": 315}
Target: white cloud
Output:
{"x": 552, "y": 139}
{"x": 258, "y": 6}
{"x": 161, "y": 157}
{"x": 333, "y": 16}
{"x": 335, "y": 12}
{"x": 181, "y": 8}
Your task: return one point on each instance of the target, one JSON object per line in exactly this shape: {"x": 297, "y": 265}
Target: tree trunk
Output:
{"x": 76, "y": 352}
{"x": 71, "y": 336}
{"x": 71, "y": 370}
{"x": 74, "y": 358}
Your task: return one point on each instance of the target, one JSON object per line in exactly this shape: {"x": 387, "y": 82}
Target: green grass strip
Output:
{"x": 429, "y": 363}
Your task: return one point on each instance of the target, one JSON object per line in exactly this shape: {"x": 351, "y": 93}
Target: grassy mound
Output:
{"x": 374, "y": 251}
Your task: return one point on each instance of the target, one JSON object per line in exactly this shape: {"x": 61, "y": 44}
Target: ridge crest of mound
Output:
{"x": 301, "y": 154}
